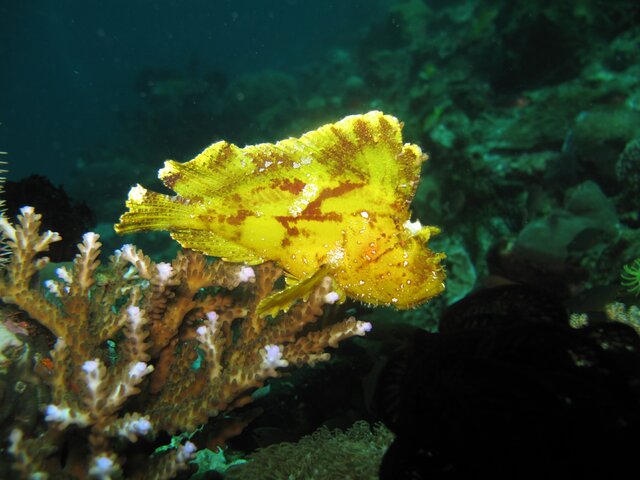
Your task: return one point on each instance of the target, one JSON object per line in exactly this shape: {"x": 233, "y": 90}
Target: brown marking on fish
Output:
{"x": 344, "y": 144}
{"x": 206, "y": 218}
{"x": 322, "y": 217}
{"x": 223, "y": 154}
{"x": 386, "y": 130}
{"x": 284, "y": 220}
{"x": 171, "y": 180}
{"x": 362, "y": 131}
{"x": 294, "y": 186}
{"x": 342, "y": 151}
{"x": 239, "y": 217}
{"x": 313, "y": 208}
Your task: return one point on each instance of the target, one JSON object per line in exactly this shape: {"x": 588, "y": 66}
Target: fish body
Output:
{"x": 334, "y": 202}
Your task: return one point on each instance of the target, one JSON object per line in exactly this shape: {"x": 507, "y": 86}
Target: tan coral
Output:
{"x": 188, "y": 336}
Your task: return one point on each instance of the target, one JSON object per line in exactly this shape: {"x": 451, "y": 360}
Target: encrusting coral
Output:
{"x": 144, "y": 347}
{"x": 355, "y": 453}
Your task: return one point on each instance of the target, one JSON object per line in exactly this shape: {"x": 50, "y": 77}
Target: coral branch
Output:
{"x": 186, "y": 334}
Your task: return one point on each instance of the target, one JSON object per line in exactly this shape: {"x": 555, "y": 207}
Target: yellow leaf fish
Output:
{"x": 333, "y": 202}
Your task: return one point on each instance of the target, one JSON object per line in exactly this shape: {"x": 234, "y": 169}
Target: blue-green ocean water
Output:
{"x": 529, "y": 113}
{"x": 69, "y": 66}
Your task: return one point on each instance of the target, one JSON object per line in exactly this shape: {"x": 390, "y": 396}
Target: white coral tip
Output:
{"x": 90, "y": 239}
{"x": 364, "y": 327}
{"x": 201, "y": 330}
{"x": 246, "y": 274}
{"x": 165, "y": 270}
{"x": 102, "y": 467}
{"x": 53, "y": 413}
{"x": 133, "y": 312}
{"x": 185, "y": 452}
{"x": 90, "y": 366}
{"x": 139, "y": 370}
{"x": 53, "y": 287}
{"x": 140, "y": 426}
{"x": 143, "y": 426}
{"x": 64, "y": 274}
{"x": 272, "y": 357}
{"x": 331, "y": 297}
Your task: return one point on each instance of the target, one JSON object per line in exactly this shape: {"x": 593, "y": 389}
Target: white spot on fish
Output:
{"x": 335, "y": 256}
{"x": 413, "y": 227}
{"x": 137, "y": 193}
{"x": 308, "y": 193}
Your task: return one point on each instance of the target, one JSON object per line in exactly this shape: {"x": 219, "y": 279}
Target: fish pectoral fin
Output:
{"x": 290, "y": 279}
{"x": 211, "y": 244}
{"x": 282, "y": 300}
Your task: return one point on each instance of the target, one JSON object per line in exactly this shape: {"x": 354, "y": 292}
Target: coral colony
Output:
{"x": 186, "y": 344}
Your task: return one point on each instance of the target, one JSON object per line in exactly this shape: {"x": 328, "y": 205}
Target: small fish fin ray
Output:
{"x": 211, "y": 244}
{"x": 283, "y": 299}
{"x": 369, "y": 148}
{"x": 218, "y": 166}
{"x": 152, "y": 211}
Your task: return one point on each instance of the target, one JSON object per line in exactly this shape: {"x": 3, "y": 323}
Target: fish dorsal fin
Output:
{"x": 208, "y": 173}
{"x": 364, "y": 148}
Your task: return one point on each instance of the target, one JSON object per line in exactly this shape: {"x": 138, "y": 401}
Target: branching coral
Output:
{"x": 188, "y": 344}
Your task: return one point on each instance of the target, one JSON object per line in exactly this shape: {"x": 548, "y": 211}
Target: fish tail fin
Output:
{"x": 153, "y": 211}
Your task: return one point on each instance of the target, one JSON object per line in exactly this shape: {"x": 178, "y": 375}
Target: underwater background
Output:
{"x": 528, "y": 362}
